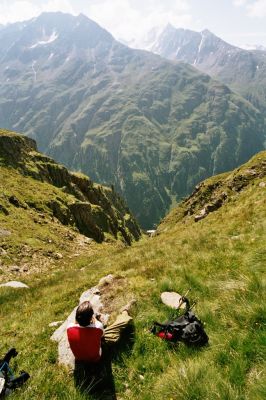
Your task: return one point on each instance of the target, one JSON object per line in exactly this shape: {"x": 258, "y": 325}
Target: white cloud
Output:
{"x": 253, "y": 8}
{"x": 126, "y": 19}
{"x": 257, "y": 9}
{"x": 239, "y": 3}
{"x": 20, "y": 10}
{"x": 132, "y": 19}
{"x": 16, "y": 11}
{"x": 58, "y": 5}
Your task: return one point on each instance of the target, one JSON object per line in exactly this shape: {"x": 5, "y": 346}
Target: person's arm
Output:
{"x": 98, "y": 324}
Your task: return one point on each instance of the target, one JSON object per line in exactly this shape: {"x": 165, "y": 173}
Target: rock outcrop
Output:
{"x": 93, "y": 209}
{"x": 214, "y": 192}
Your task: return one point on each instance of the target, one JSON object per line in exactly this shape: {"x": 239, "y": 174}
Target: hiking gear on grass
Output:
{"x": 187, "y": 328}
{"x": 7, "y": 379}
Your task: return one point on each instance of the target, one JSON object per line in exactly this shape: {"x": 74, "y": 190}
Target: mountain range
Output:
{"x": 243, "y": 70}
{"x": 153, "y": 128}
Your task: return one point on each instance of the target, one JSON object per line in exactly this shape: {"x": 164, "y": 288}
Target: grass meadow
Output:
{"x": 221, "y": 258}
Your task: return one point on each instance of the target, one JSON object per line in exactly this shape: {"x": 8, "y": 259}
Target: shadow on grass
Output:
{"x": 96, "y": 380}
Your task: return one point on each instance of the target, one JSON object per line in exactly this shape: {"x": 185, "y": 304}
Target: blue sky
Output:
{"x": 239, "y": 22}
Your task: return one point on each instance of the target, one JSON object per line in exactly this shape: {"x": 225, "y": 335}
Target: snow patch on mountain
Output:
{"x": 34, "y": 70}
{"x": 199, "y": 48}
{"x": 48, "y": 40}
{"x": 201, "y": 42}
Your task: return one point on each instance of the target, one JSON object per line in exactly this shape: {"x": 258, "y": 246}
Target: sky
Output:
{"x": 239, "y": 22}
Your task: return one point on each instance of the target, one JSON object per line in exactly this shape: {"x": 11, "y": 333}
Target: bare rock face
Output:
{"x": 14, "y": 147}
{"x": 85, "y": 220}
{"x": 65, "y": 355}
{"x": 95, "y": 210}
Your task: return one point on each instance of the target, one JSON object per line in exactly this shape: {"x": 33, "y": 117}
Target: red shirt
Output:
{"x": 85, "y": 342}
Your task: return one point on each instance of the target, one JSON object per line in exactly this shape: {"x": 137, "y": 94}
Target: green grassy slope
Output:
{"x": 215, "y": 192}
{"x": 44, "y": 207}
{"x": 221, "y": 258}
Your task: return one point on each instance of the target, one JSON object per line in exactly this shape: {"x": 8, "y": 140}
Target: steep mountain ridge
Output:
{"x": 243, "y": 70}
{"x": 150, "y": 127}
{"x": 34, "y": 184}
{"x": 218, "y": 191}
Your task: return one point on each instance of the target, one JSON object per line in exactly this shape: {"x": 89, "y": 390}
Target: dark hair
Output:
{"x": 84, "y": 313}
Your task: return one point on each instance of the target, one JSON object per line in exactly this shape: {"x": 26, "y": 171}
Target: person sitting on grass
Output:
{"x": 86, "y": 335}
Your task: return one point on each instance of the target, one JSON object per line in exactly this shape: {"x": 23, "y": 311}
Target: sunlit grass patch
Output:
{"x": 221, "y": 259}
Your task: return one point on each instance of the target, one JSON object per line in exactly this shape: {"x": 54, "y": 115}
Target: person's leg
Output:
{"x": 113, "y": 332}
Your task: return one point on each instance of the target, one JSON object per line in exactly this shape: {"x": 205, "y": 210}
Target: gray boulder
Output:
{"x": 4, "y": 232}
{"x": 172, "y": 299}
{"x": 15, "y": 284}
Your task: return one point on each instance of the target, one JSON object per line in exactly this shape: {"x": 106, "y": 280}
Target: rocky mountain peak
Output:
{"x": 169, "y": 27}
{"x": 206, "y": 32}
{"x": 242, "y": 69}
{"x": 51, "y": 33}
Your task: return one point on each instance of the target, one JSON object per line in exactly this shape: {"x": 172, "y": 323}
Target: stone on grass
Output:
{"x": 58, "y": 256}
{"x": 262, "y": 184}
{"x": 172, "y": 299}
{"x": 84, "y": 240}
{"x": 15, "y": 284}
{"x": 14, "y": 268}
{"x": 106, "y": 280}
{"x": 55, "y": 323}
{"x": 2, "y": 384}
{"x": 203, "y": 213}
{"x": 3, "y": 252}
{"x": 4, "y": 232}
